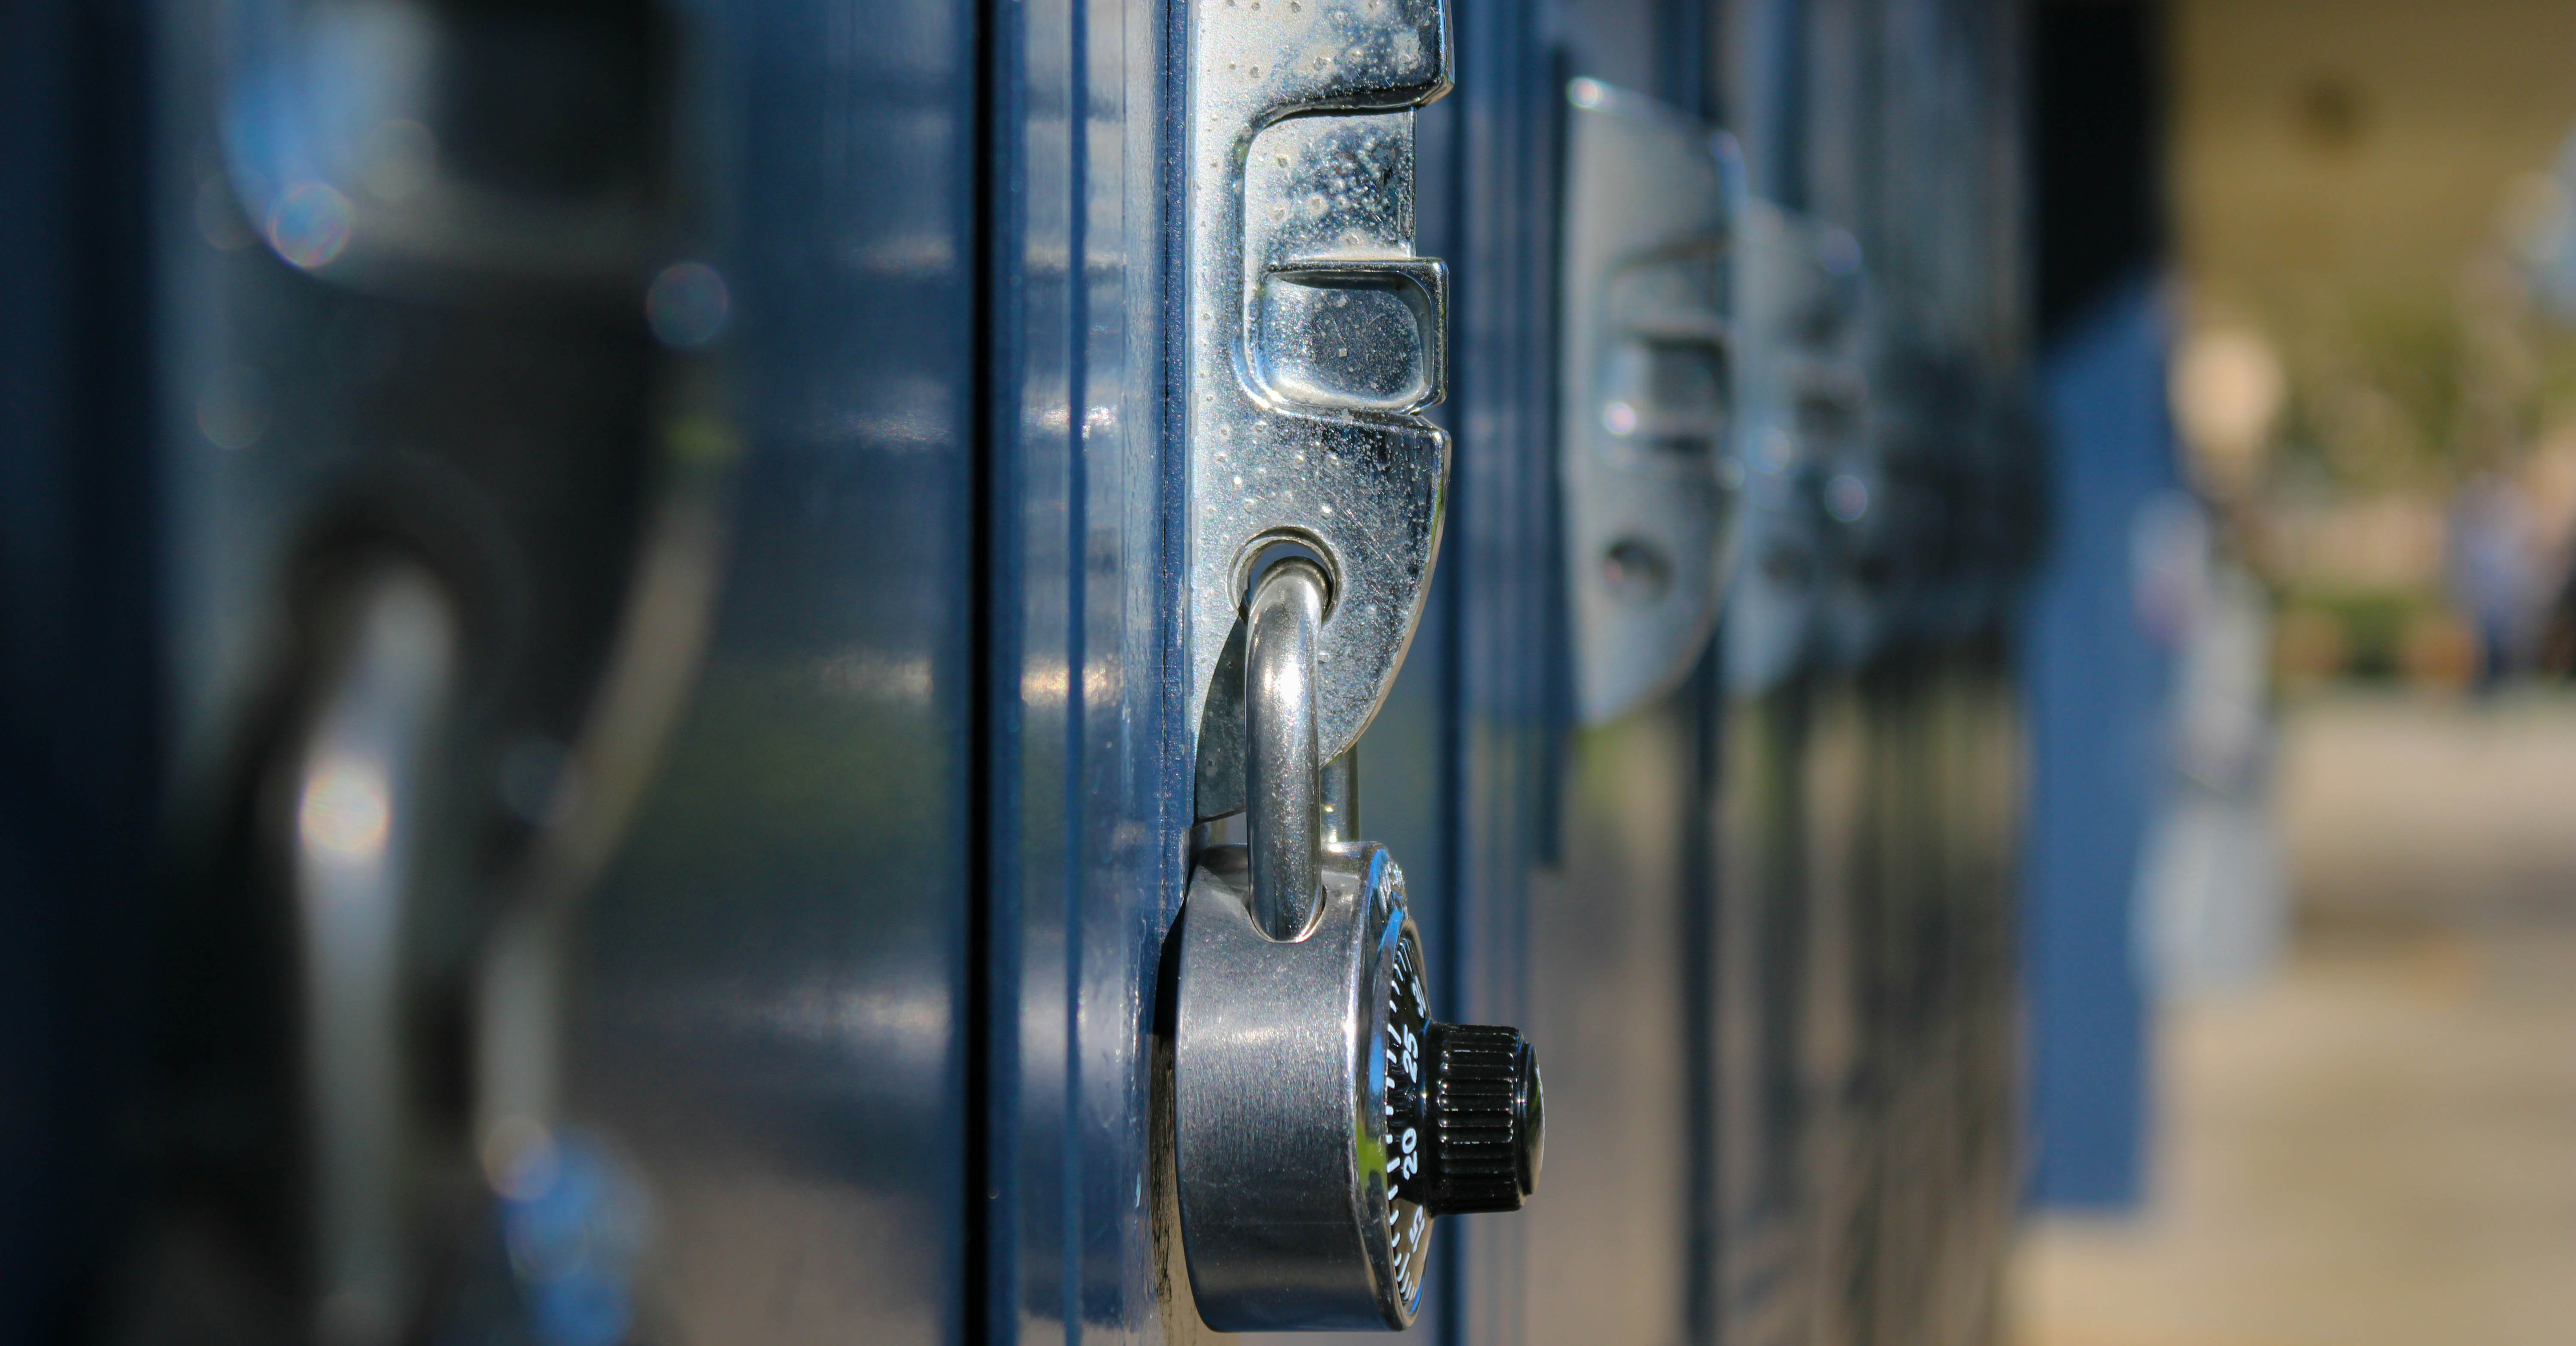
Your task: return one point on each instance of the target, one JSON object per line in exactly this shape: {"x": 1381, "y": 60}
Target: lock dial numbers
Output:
{"x": 1401, "y": 1048}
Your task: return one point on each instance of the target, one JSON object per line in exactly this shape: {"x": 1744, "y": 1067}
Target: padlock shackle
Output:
{"x": 1283, "y": 778}
{"x": 1341, "y": 801}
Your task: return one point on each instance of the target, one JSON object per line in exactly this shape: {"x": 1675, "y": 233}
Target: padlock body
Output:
{"x": 1280, "y": 1103}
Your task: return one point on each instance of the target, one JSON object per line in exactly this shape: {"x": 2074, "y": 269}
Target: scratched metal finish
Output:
{"x": 1315, "y": 333}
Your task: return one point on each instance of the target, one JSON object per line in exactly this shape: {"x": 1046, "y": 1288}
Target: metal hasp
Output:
{"x": 1322, "y": 1119}
{"x": 1315, "y": 336}
{"x": 1803, "y": 398}
{"x": 1647, "y": 455}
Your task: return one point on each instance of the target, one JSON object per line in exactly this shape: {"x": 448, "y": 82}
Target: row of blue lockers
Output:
{"x": 604, "y": 673}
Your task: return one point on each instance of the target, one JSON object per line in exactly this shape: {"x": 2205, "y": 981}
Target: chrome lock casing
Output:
{"x": 1281, "y": 1102}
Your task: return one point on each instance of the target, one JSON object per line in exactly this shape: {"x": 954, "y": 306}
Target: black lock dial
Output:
{"x": 1464, "y": 1118}
{"x": 1480, "y": 1112}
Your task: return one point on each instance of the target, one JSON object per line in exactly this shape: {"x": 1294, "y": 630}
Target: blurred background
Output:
{"x": 2355, "y": 893}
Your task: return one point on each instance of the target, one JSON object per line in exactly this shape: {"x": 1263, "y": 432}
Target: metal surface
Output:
{"x": 1080, "y": 789}
{"x": 1865, "y": 997}
{"x": 1284, "y": 787}
{"x": 1341, "y": 799}
{"x": 1280, "y": 1103}
{"x": 1460, "y": 787}
{"x": 1649, "y": 454}
{"x": 333, "y": 386}
{"x": 1616, "y": 949}
{"x": 1315, "y": 336}
{"x": 362, "y": 833}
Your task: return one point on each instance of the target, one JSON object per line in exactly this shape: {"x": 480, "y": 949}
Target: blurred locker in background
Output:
{"x": 2095, "y": 656}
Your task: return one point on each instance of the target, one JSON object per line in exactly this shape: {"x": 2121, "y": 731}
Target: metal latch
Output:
{"x": 1316, "y": 337}
{"x": 1646, "y": 437}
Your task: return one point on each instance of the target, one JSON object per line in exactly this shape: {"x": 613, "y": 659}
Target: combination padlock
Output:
{"x": 1323, "y": 1118}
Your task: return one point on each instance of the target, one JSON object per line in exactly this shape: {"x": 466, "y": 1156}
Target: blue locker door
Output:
{"x": 773, "y": 1018}
{"x": 1871, "y": 785}
{"x": 862, "y": 1007}
{"x": 1084, "y": 760}
{"x": 872, "y": 981}
{"x": 1489, "y": 203}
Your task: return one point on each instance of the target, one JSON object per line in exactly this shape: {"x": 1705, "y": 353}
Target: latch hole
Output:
{"x": 1635, "y": 570}
{"x": 1666, "y": 396}
{"x": 1285, "y": 544}
{"x": 1360, "y": 341}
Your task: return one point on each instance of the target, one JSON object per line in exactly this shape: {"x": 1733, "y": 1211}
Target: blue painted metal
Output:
{"x": 1501, "y": 651}
{"x": 2097, "y": 682}
{"x": 2097, "y": 669}
{"x": 1086, "y": 768}
{"x": 1865, "y": 1032}
{"x": 1617, "y": 937}
{"x": 774, "y": 1017}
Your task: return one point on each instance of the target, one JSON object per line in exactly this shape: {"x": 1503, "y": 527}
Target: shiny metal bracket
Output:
{"x": 1645, "y": 439}
{"x": 1316, "y": 338}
